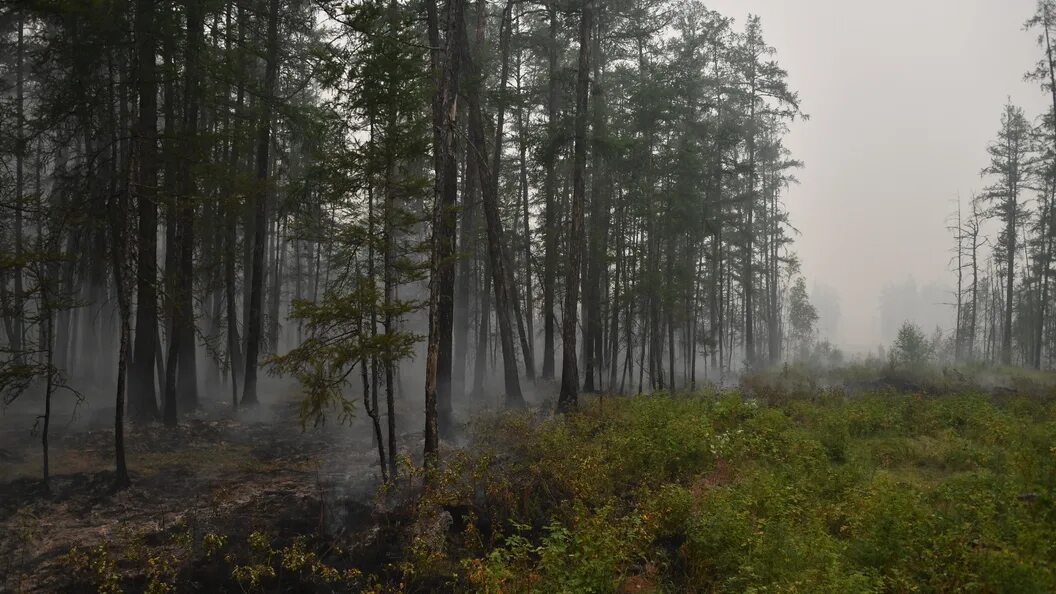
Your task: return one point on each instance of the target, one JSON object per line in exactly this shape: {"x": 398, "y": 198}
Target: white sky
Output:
{"x": 903, "y": 98}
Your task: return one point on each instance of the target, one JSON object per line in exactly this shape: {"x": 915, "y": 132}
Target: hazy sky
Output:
{"x": 903, "y": 97}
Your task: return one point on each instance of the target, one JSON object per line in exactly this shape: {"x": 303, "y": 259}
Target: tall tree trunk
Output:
{"x": 46, "y": 312}
{"x": 389, "y": 281}
{"x": 748, "y": 274}
{"x": 278, "y": 259}
{"x": 974, "y": 316}
{"x": 551, "y": 215}
{"x": 234, "y": 341}
{"x": 496, "y": 165}
{"x": 616, "y": 303}
{"x": 370, "y": 400}
{"x": 143, "y": 405}
{"x": 183, "y": 323}
{"x": 49, "y": 378}
{"x": 372, "y": 385}
{"x": 170, "y": 298}
{"x": 958, "y": 336}
{"x": 119, "y": 256}
{"x": 466, "y": 276}
{"x": 254, "y": 321}
{"x": 529, "y": 305}
{"x": 468, "y": 252}
{"x": 20, "y": 150}
{"x": 1046, "y": 237}
{"x": 598, "y": 237}
{"x": 500, "y": 277}
{"x": 1010, "y": 280}
{"x": 441, "y": 282}
{"x": 774, "y": 310}
{"x": 483, "y": 331}
{"x": 569, "y": 395}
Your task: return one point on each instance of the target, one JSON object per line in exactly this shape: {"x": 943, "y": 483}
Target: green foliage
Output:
{"x": 911, "y": 347}
{"x": 256, "y": 565}
{"x": 338, "y": 341}
{"x": 267, "y": 567}
{"x": 96, "y": 566}
{"x": 817, "y": 491}
{"x": 157, "y": 566}
{"x": 826, "y": 493}
{"x": 802, "y": 316}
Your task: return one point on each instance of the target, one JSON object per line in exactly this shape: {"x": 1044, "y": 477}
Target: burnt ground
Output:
{"x": 212, "y": 475}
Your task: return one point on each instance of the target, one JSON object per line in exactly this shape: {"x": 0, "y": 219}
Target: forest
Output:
{"x": 486, "y": 296}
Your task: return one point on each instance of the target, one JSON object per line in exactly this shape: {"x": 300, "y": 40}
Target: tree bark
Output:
{"x": 569, "y": 395}
{"x": 441, "y": 281}
{"x": 119, "y": 258}
{"x": 143, "y": 405}
{"x": 598, "y": 237}
{"x": 551, "y": 214}
{"x": 184, "y": 324}
{"x": 20, "y": 150}
{"x": 497, "y": 260}
{"x": 254, "y": 321}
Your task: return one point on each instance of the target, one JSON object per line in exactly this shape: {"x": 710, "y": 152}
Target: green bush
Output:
{"x": 881, "y": 492}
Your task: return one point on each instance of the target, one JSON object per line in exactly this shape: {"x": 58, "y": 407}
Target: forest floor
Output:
{"x": 211, "y": 475}
{"x": 849, "y": 480}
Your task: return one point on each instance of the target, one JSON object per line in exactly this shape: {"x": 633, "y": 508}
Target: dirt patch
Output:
{"x": 207, "y": 476}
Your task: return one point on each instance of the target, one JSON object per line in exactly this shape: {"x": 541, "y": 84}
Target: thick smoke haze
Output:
{"x": 903, "y": 97}
{"x": 527, "y": 295}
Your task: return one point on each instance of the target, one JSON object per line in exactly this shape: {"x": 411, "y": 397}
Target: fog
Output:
{"x": 903, "y": 98}
{"x": 459, "y": 296}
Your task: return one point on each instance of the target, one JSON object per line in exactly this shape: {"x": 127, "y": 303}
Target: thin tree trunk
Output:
{"x": 500, "y": 277}
{"x": 483, "y": 331}
{"x": 370, "y": 404}
{"x": 20, "y": 149}
{"x": 496, "y": 164}
{"x": 551, "y": 214}
{"x": 234, "y": 341}
{"x": 119, "y": 256}
{"x": 529, "y": 306}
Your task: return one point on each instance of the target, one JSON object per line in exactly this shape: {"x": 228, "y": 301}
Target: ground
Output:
{"x": 795, "y": 481}
{"x": 209, "y": 476}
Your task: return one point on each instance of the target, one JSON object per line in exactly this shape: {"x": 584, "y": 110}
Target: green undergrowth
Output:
{"x": 808, "y": 492}
{"x": 718, "y": 493}
{"x": 806, "y": 379}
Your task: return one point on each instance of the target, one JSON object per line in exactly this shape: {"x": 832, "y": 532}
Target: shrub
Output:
{"x": 912, "y": 348}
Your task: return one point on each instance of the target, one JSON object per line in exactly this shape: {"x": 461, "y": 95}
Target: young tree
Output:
{"x": 802, "y": 316}
{"x": 911, "y": 346}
